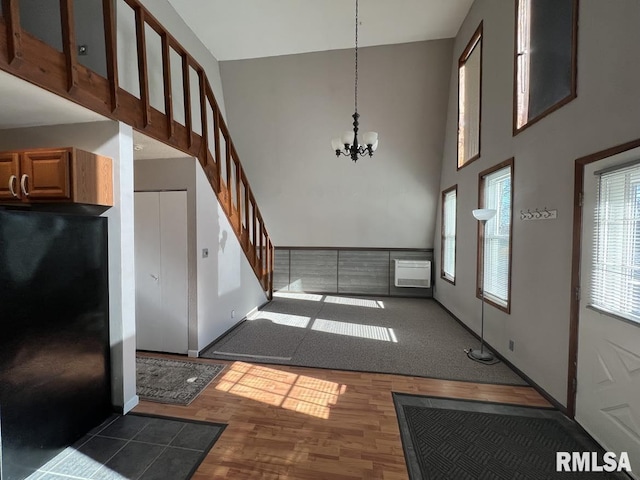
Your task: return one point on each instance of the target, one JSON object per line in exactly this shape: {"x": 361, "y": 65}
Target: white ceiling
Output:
{"x": 25, "y": 105}
{"x": 236, "y": 29}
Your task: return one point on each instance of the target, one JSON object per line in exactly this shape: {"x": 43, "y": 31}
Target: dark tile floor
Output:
{"x": 133, "y": 447}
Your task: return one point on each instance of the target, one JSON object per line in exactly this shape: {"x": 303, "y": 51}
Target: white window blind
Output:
{"x": 449, "y": 235}
{"x": 469, "y": 105}
{"x": 615, "y": 282}
{"x": 497, "y": 195}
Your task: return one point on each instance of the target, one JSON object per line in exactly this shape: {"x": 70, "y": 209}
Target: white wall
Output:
{"x": 114, "y": 140}
{"x": 606, "y": 113}
{"x": 284, "y": 111}
{"x": 226, "y": 281}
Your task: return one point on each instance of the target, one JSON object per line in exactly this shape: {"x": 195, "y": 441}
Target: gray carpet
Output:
{"x": 387, "y": 335}
{"x": 470, "y": 440}
{"x": 172, "y": 381}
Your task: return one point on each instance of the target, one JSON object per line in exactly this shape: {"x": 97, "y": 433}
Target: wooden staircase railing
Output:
{"x": 27, "y": 57}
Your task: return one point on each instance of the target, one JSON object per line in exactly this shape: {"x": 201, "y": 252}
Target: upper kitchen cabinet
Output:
{"x": 56, "y": 175}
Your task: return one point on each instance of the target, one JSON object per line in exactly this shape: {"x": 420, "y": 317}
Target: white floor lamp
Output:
{"x": 482, "y": 215}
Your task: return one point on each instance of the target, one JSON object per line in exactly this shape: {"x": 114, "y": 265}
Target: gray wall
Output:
{"x": 606, "y": 113}
{"x": 283, "y": 113}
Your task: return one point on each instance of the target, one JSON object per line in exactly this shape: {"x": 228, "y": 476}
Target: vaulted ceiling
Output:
{"x": 240, "y": 29}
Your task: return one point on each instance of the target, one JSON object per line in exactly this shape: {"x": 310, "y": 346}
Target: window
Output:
{"x": 496, "y": 192}
{"x": 469, "y": 92}
{"x": 448, "y": 245}
{"x": 545, "y": 58}
{"x": 615, "y": 285}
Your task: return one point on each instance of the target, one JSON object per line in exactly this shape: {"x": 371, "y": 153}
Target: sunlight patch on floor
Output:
{"x": 281, "y": 319}
{"x": 355, "y": 302}
{"x": 372, "y": 332}
{"x": 299, "y": 296}
{"x": 299, "y": 393}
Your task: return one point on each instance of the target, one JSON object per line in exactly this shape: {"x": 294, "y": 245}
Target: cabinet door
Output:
{"x": 9, "y": 176}
{"x": 46, "y": 174}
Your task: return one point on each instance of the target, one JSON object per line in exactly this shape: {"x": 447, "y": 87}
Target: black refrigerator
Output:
{"x": 54, "y": 335}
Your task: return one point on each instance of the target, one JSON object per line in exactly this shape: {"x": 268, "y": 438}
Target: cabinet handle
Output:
{"x": 12, "y": 180}
{"x": 23, "y": 184}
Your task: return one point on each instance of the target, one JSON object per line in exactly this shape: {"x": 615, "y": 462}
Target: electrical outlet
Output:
{"x": 205, "y": 252}
{"x": 511, "y": 345}
{"x": 233, "y": 314}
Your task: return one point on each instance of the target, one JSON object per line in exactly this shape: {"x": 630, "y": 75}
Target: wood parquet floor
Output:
{"x": 310, "y": 424}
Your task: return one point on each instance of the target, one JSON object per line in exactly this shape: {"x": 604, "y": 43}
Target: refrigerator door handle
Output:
{"x": 12, "y": 180}
{"x": 23, "y": 184}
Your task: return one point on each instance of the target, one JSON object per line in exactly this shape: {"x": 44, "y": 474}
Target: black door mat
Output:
{"x": 470, "y": 440}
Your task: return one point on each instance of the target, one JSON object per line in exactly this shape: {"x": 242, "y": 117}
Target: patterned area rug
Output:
{"x": 173, "y": 381}
{"x": 469, "y": 440}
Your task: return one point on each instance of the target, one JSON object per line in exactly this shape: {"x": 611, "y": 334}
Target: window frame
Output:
{"x": 574, "y": 71}
{"x": 480, "y": 236}
{"x": 476, "y": 38}
{"x": 443, "y": 275}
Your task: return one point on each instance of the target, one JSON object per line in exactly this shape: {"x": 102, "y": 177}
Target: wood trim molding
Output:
{"x": 574, "y": 73}
{"x": 475, "y": 38}
{"x": 442, "y": 274}
{"x": 576, "y": 252}
{"x": 11, "y": 17}
{"x": 480, "y": 245}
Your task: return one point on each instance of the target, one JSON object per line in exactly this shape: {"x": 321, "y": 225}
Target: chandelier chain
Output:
{"x": 356, "y": 83}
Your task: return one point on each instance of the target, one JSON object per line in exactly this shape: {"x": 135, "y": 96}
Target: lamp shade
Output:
{"x": 484, "y": 214}
{"x": 347, "y": 137}
{"x": 370, "y": 138}
{"x": 336, "y": 144}
{"x": 374, "y": 146}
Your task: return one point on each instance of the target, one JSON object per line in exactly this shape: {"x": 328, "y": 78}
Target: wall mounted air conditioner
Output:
{"x": 413, "y": 273}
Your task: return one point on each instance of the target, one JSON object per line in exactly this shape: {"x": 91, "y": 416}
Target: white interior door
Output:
{"x": 162, "y": 311}
{"x": 608, "y": 368}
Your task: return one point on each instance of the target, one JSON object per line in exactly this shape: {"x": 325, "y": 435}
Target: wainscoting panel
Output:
{"x": 351, "y": 271}
{"x": 364, "y": 272}
{"x": 313, "y": 271}
{"x": 281, "y": 270}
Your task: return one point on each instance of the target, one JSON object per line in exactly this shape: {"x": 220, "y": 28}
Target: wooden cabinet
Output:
{"x": 60, "y": 175}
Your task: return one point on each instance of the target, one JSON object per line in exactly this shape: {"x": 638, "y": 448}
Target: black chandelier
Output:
{"x": 348, "y": 144}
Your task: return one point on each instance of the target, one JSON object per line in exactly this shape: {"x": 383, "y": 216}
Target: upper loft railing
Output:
{"x": 157, "y": 87}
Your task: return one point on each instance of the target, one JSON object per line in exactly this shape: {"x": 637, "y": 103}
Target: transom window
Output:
{"x": 545, "y": 58}
{"x": 469, "y": 100}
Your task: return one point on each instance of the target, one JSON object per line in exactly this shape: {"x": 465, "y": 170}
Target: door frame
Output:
{"x": 576, "y": 252}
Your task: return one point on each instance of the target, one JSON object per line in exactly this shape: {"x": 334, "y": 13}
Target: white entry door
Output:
{"x": 608, "y": 368}
{"x": 162, "y": 309}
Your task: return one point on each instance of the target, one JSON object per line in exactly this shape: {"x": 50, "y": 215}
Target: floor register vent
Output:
{"x": 413, "y": 273}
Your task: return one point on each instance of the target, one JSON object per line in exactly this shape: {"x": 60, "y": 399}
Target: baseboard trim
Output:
{"x": 524, "y": 376}
{"x": 130, "y": 404}
{"x": 193, "y": 353}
